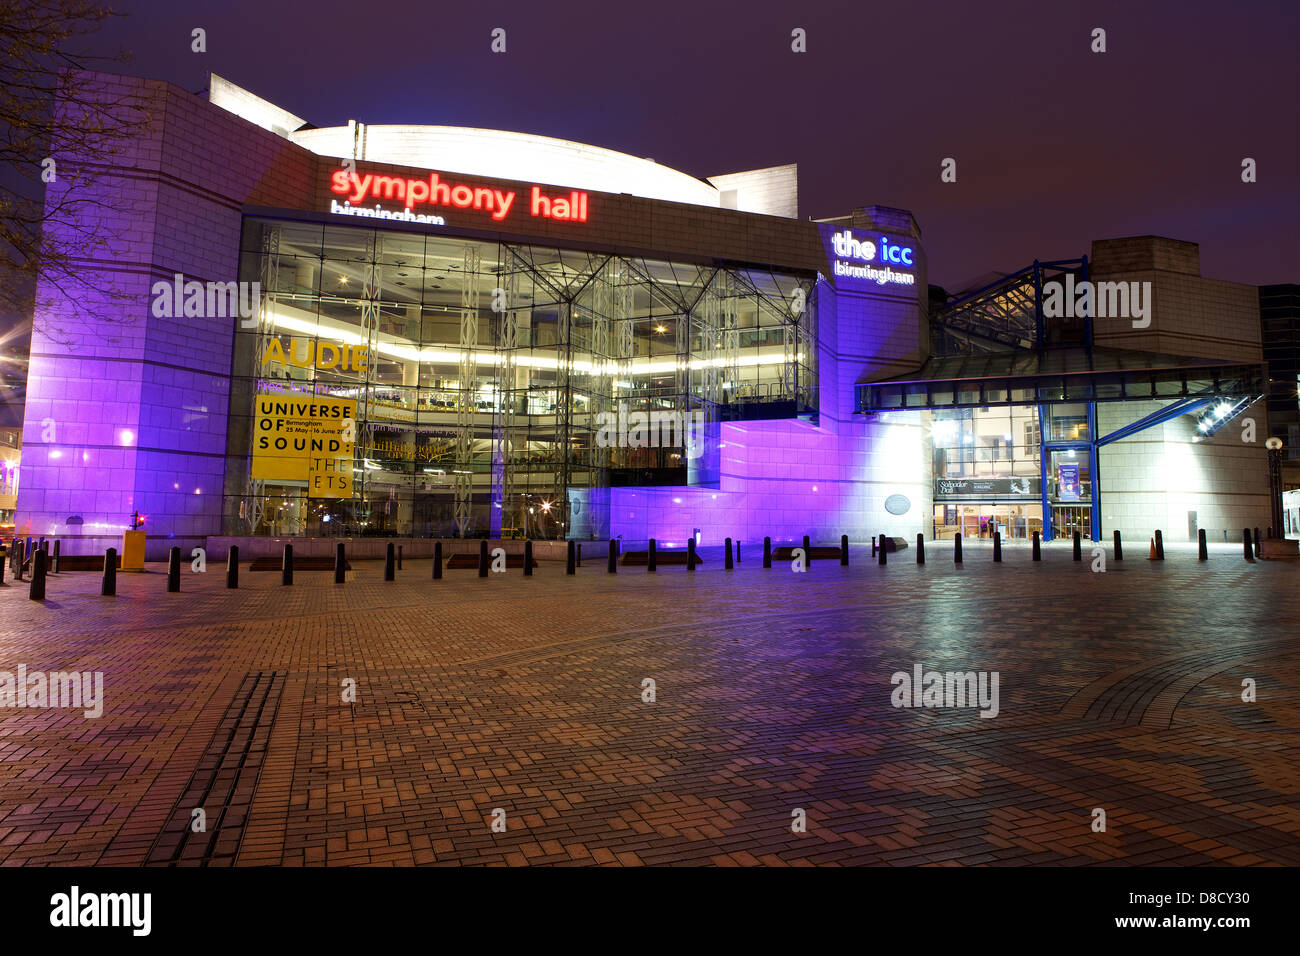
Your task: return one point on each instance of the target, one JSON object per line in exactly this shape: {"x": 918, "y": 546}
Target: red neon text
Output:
{"x": 434, "y": 192}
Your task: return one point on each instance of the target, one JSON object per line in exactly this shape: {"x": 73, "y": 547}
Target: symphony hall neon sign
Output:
{"x": 434, "y": 192}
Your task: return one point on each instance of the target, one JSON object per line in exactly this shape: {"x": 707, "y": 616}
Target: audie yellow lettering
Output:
{"x": 309, "y": 359}
{"x": 274, "y": 353}
{"x": 304, "y": 353}
{"x": 334, "y": 355}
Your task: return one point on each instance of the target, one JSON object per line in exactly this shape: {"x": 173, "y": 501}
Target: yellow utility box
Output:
{"x": 132, "y": 550}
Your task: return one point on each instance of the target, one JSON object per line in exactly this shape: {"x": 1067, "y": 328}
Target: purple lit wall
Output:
{"x": 788, "y": 478}
{"x": 125, "y": 410}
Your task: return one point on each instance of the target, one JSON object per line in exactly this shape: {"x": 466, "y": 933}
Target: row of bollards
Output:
{"x": 44, "y": 563}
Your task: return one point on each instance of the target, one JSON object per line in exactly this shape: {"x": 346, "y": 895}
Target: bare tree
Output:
{"x": 54, "y": 127}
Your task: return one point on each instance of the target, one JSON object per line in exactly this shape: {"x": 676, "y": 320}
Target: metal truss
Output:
{"x": 1008, "y": 314}
{"x": 254, "y": 510}
{"x": 463, "y": 483}
{"x": 564, "y": 411}
{"x": 601, "y": 395}
{"x": 371, "y": 291}
{"x": 624, "y": 341}
{"x": 503, "y": 504}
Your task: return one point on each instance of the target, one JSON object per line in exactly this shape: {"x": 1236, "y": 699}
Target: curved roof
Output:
{"x": 497, "y": 154}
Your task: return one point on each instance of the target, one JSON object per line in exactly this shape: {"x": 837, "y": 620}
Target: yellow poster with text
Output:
{"x": 305, "y": 438}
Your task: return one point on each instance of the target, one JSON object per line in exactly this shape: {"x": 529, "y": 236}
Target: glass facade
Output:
{"x": 425, "y": 385}
{"x": 986, "y": 442}
{"x": 988, "y": 470}
{"x": 986, "y": 466}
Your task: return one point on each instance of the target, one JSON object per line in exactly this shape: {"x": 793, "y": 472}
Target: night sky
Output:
{"x": 1055, "y": 145}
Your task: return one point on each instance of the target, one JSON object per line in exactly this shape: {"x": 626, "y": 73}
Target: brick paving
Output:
{"x": 1119, "y": 691}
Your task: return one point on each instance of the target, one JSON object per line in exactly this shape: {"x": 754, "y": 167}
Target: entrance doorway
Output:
{"x": 983, "y": 520}
{"x": 1067, "y": 519}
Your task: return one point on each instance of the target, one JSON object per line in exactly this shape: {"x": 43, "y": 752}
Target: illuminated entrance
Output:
{"x": 1013, "y": 398}
{"x": 984, "y": 519}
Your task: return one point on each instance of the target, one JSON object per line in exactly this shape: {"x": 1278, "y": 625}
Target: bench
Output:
{"x": 818, "y": 553}
{"x": 641, "y": 558}
{"x": 468, "y": 559}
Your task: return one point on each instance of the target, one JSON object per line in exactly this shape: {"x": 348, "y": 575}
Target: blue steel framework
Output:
{"x": 1046, "y": 364}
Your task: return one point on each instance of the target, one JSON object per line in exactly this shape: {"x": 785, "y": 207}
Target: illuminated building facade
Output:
{"x": 439, "y": 332}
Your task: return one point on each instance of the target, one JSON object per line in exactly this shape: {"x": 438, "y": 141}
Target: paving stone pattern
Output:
{"x": 1119, "y": 691}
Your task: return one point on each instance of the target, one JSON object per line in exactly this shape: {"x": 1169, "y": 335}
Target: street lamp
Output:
{"x": 1274, "y": 446}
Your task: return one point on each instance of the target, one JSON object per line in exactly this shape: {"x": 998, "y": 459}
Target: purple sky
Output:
{"x": 1055, "y": 145}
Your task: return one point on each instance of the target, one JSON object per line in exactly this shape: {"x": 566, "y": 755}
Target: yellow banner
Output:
{"x": 305, "y": 438}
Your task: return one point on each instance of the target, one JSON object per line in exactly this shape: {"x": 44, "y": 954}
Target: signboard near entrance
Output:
{"x": 1067, "y": 478}
{"x": 305, "y": 438}
{"x": 985, "y": 487}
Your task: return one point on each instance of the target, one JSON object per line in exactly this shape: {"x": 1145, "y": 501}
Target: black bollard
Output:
{"x": 1203, "y": 550}
{"x": 883, "y": 551}
{"x": 728, "y": 564}
{"x": 570, "y": 562}
{"x": 844, "y": 550}
{"x": 286, "y": 566}
{"x": 1119, "y": 547}
{"x": 579, "y": 554}
{"x": 1038, "y": 548}
{"x": 1245, "y": 544}
{"x": 1160, "y": 546}
{"x": 340, "y": 564}
{"x": 108, "y": 585}
{"x": 232, "y": 567}
{"x": 767, "y": 552}
{"x": 528, "y": 557}
{"x": 10, "y": 557}
{"x": 390, "y": 562}
{"x": 1259, "y": 547}
{"x": 807, "y": 552}
{"x": 956, "y": 548}
{"x": 399, "y": 557}
{"x": 611, "y": 565}
{"x": 920, "y": 549}
{"x": 174, "y": 570}
{"x": 737, "y": 550}
{"x": 483, "y": 558}
{"x": 37, "y": 589}
{"x": 1078, "y": 546}
{"x": 690, "y": 553}
{"x": 20, "y": 553}
{"x": 651, "y": 558}
{"x": 997, "y": 546}
{"x": 437, "y": 561}
{"x": 54, "y": 568}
